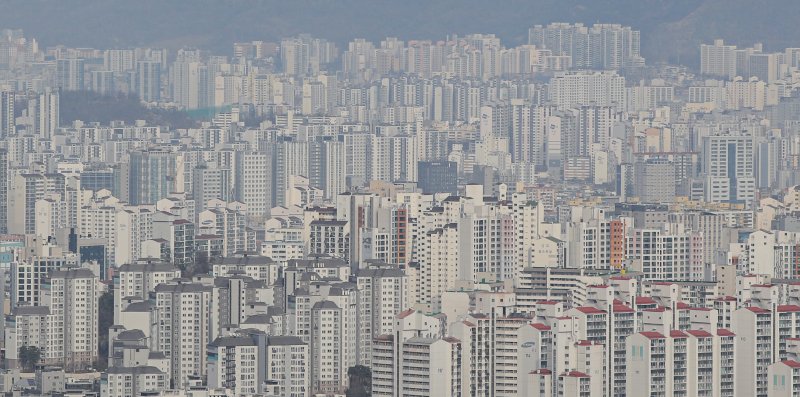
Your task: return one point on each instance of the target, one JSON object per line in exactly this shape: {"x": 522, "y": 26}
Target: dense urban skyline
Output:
{"x": 563, "y": 212}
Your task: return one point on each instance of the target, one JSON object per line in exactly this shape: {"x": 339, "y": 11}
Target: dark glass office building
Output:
{"x": 437, "y": 176}
{"x": 95, "y": 180}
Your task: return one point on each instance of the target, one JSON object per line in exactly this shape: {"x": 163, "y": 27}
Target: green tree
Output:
{"x": 360, "y": 381}
{"x": 200, "y": 265}
{"x": 92, "y": 106}
{"x": 29, "y": 356}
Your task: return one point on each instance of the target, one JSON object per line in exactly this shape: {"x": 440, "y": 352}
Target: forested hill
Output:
{"x": 89, "y": 107}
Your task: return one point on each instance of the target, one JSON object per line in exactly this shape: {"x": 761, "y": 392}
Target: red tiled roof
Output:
{"x": 405, "y": 313}
{"x": 652, "y": 335}
{"x": 620, "y": 308}
{"x": 677, "y": 334}
{"x": 589, "y": 310}
{"x": 725, "y": 332}
{"x": 541, "y": 327}
{"x": 644, "y": 300}
{"x": 756, "y": 309}
{"x": 575, "y": 374}
{"x": 791, "y": 363}
{"x": 788, "y": 308}
{"x": 698, "y": 333}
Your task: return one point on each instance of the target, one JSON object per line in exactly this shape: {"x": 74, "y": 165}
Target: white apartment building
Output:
{"x": 666, "y": 253}
{"x": 184, "y": 328}
{"x": 73, "y": 297}
{"x": 388, "y": 367}
{"x": 328, "y": 348}
{"x": 785, "y": 379}
{"x": 253, "y": 187}
{"x": 589, "y": 238}
{"x": 475, "y": 332}
{"x": 761, "y": 340}
{"x": 133, "y": 225}
{"x": 229, "y": 223}
{"x": 63, "y": 324}
{"x": 729, "y": 164}
{"x": 393, "y": 158}
{"x": 771, "y": 253}
{"x": 233, "y": 363}
{"x": 23, "y": 191}
{"x": 438, "y": 264}
{"x": 539, "y": 382}
{"x": 748, "y": 94}
{"x": 26, "y": 326}
{"x": 28, "y": 273}
{"x": 571, "y": 89}
{"x": 283, "y": 238}
{"x": 690, "y": 363}
{"x": 382, "y": 294}
{"x": 646, "y": 97}
{"x": 138, "y": 280}
{"x": 431, "y": 367}
{"x": 577, "y": 384}
{"x": 610, "y": 327}
{"x": 261, "y": 268}
{"x": 718, "y": 60}
{"x": 132, "y": 381}
{"x": 557, "y": 283}
{"x": 300, "y": 193}
{"x": 288, "y": 364}
{"x": 330, "y": 238}
{"x": 507, "y": 374}
{"x": 51, "y": 217}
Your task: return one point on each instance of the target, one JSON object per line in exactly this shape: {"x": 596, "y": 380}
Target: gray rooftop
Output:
{"x": 230, "y": 341}
{"x": 284, "y": 341}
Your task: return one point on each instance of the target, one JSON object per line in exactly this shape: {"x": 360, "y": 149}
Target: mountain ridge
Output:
{"x": 671, "y": 29}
